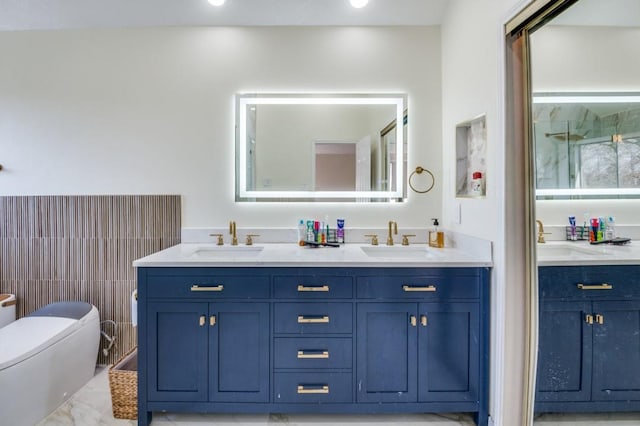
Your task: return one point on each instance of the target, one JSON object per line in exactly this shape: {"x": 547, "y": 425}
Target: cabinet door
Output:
{"x": 616, "y": 351}
{"x": 386, "y": 352}
{"x": 177, "y": 347}
{"x": 448, "y": 352}
{"x": 239, "y": 352}
{"x": 564, "y": 352}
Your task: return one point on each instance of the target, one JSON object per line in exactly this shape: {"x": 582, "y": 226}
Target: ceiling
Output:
{"x": 67, "y": 14}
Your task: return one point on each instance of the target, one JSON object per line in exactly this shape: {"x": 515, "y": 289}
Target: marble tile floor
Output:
{"x": 91, "y": 406}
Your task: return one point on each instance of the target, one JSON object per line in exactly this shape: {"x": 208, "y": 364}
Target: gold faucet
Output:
{"x": 220, "y": 240}
{"x": 249, "y": 241}
{"x": 405, "y": 239}
{"x": 540, "y": 232}
{"x": 232, "y": 231}
{"x": 393, "y": 225}
{"x": 374, "y": 239}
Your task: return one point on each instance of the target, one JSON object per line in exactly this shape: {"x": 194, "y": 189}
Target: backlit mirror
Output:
{"x": 587, "y": 145}
{"x": 312, "y": 147}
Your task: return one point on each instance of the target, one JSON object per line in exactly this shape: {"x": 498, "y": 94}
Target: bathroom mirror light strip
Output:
{"x": 55, "y": 248}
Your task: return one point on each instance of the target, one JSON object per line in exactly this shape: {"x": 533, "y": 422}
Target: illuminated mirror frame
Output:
{"x": 586, "y": 98}
{"x": 245, "y": 101}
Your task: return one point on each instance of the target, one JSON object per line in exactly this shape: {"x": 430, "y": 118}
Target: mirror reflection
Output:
{"x": 587, "y": 144}
{"x": 321, "y": 147}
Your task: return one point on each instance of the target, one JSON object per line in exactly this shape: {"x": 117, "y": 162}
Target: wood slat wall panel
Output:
{"x": 55, "y": 248}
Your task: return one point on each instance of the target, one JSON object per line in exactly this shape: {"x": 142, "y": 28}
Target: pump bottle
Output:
{"x": 436, "y": 237}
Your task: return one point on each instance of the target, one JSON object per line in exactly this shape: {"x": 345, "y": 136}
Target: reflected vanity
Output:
{"x": 321, "y": 147}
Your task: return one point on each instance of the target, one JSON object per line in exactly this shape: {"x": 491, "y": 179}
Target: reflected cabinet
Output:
{"x": 589, "y": 339}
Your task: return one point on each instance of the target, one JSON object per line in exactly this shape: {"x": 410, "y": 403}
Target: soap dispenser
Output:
{"x": 436, "y": 237}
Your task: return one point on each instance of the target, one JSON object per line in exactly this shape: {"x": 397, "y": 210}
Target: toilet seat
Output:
{"x": 30, "y": 335}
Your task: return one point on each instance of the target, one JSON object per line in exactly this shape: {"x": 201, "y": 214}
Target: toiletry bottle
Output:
{"x": 340, "y": 231}
{"x": 477, "y": 184}
{"x": 310, "y": 234}
{"x": 436, "y": 237}
{"x": 572, "y": 226}
{"x": 302, "y": 232}
{"x": 611, "y": 228}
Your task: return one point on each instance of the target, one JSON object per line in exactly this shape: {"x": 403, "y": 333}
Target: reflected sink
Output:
{"x": 227, "y": 252}
{"x": 399, "y": 252}
{"x": 566, "y": 251}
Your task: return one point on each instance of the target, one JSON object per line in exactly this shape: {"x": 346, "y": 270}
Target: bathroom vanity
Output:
{"x": 298, "y": 330}
{"x": 589, "y": 331}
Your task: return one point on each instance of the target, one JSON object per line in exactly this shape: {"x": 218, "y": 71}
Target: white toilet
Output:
{"x": 45, "y": 358}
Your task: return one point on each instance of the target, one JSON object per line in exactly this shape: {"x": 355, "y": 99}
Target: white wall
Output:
{"x": 151, "y": 110}
{"x": 472, "y": 84}
{"x": 586, "y": 59}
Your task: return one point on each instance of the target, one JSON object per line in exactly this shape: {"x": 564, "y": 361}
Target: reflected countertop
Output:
{"x": 292, "y": 255}
{"x": 568, "y": 253}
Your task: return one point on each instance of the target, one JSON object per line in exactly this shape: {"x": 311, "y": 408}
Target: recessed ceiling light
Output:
{"x": 216, "y": 2}
{"x": 359, "y": 3}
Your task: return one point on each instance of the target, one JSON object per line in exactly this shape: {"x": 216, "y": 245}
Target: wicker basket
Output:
{"x": 123, "y": 382}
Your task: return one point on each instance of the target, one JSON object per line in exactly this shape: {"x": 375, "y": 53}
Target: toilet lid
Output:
{"x": 29, "y": 335}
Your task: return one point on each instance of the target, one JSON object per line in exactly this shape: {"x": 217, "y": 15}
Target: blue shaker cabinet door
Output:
{"x": 564, "y": 351}
{"x": 386, "y": 352}
{"x": 177, "y": 341}
{"x": 239, "y": 352}
{"x": 448, "y": 352}
{"x": 616, "y": 351}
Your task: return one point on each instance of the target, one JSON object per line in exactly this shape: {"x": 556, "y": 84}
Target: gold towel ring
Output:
{"x": 419, "y": 170}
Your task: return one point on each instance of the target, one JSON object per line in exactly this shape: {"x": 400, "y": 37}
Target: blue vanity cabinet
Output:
{"x": 209, "y": 351}
{"x": 313, "y": 340}
{"x": 589, "y": 339}
{"x": 178, "y": 337}
{"x": 616, "y": 351}
{"x": 421, "y": 339}
{"x": 387, "y": 352}
{"x": 313, "y": 337}
{"x": 565, "y": 352}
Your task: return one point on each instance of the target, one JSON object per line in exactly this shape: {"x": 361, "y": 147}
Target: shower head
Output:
{"x": 563, "y": 136}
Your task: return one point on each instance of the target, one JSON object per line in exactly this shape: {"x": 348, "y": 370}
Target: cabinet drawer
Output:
{"x": 589, "y": 282}
{"x": 210, "y": 286}
{"x": 419, "y": 287}
{"x": 313, "y": 352}
{"x": 313, "y": 318}
{"x": 312, "y": 387}
{"x": 313, "y": 287}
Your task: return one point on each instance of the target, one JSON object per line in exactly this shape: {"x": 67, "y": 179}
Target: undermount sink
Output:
{"x": 227, "y": 252}
{"x": 566, "y": 250}
{"x": 398, "y": 252}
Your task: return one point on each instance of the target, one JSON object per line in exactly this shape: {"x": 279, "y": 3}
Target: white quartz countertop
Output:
{"x": 292, "y": 255}
{"x": 568, "y": 253}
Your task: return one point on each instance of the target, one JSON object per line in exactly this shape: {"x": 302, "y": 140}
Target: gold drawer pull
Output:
{"x": 324, "y": 288}
{"x": 313, "y": 320}
{"x": 413, "y": 321}
{"x": 423, "y": 320}
{"x": 212, "y": 320}
{"x": 413, "y": 288}
{"x": 203, "y": 320}
{"x": 313, "y": 355}
{"x": 588, "y": 319}
{"x": 316, "y": 389}
{"x": 600, "y": 319}
{"x": 603, "y": 286}
{"x": 218, "y": 287}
